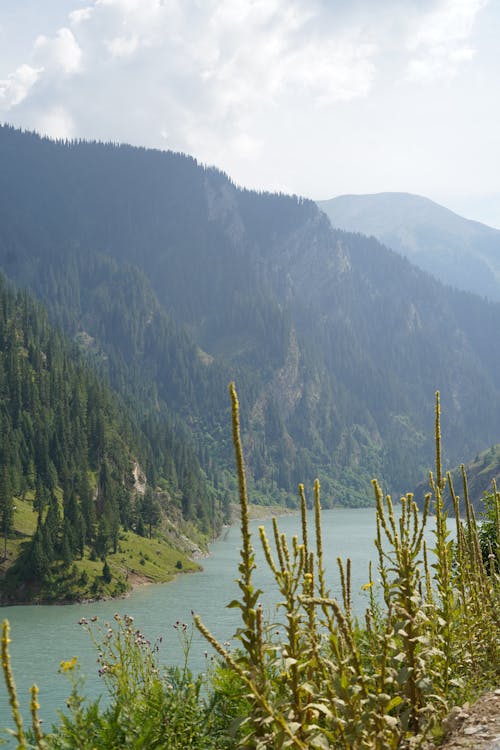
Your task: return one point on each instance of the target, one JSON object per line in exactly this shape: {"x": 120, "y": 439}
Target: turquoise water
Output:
{"x": 42, "y": 636}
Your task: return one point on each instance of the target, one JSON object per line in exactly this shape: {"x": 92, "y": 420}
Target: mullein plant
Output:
{"x": 18, "y": 733}
{"x": 319, "y": 677}
{"x": 429, "y": 637}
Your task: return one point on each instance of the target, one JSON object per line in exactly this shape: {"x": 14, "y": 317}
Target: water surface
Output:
{"x": 42, "y": 636}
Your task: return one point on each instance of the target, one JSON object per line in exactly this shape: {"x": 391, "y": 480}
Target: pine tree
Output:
{"x": 37, "y": 561}
{"x": 6, "y": 507}
{"x": 106, "y": 572}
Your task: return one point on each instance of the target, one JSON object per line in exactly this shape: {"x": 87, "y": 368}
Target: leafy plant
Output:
{"x": 430, "y": 635}
{"x": 489, "y": 530}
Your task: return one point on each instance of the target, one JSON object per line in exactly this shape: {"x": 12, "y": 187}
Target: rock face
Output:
{"x": 475, "y": 727}
{"x": 139, "y": 479}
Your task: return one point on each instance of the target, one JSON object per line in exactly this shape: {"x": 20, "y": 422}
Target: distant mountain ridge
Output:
{"x": 176, "y": 282}
{"x": 460, "y": 252}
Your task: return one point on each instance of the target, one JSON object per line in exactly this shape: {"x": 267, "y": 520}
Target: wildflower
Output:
{"x": 367, "y": 586}
{"x": 68, "y": 666}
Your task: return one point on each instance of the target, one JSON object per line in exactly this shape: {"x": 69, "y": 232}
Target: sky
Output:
{"x": 313, "y": 97}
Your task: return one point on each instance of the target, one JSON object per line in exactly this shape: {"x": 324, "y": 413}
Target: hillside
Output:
{"x": 174, "y": 281}
{"x": 462, "y": 253}
{"x": 72, "y": 494}
{"x": 481, "y": 471}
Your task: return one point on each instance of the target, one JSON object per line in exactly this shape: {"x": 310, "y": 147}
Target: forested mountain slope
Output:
{"x": 462, "y": 253}
{"x": 68, "y": 451}
{"x": 482, "y": 472}
{"x": 175, "y": 281}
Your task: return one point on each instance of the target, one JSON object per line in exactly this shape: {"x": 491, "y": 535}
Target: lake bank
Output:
{"x": 44, "y": 635}
{"x": 138, "y": 561}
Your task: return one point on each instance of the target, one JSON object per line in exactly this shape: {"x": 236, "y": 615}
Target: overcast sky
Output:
{"x": 314, "y": 97}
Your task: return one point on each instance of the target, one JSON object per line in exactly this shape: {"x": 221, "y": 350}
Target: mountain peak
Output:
{"x": 458, "y": 251}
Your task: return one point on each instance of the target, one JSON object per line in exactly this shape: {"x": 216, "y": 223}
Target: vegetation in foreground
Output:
{"x": 320, "y": 678}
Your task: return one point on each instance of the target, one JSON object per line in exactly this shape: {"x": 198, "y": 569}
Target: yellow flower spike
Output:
{"x": 11, "y": 686}
{"x": 68, "y": 666}
{"x": 35, "y": 720}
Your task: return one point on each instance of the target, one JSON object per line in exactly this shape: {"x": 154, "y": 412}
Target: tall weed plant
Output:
{"x": 430, "y": 638}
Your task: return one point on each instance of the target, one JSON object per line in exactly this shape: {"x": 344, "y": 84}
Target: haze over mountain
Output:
{"x": 174, "y": 281}
{"x": 462, "y": 253}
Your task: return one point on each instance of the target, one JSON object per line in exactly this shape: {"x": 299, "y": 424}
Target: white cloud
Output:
{"x": 311, "y": 94}
{"x": 211, "y": 61}
{"x": 122, "y": 46}
{"x": 57, "y": 123}
{"x": 205, "y": 69}
{"x": 338, "y": 71}
{"x": 441, "y": 42}
{"x": 61, "y": 52}
{"x": 16, "y": 87}
{"x": 246, "y": 146}
{"x": 130, "y": 5}
{"x": 80, "y": 15}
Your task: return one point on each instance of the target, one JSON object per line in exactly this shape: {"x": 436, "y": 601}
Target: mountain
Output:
{"x": 461, "y": 253}
{"x": 174, "y": 281}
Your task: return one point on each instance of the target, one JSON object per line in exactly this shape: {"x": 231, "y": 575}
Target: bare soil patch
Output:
{"x": 475, "y": 727}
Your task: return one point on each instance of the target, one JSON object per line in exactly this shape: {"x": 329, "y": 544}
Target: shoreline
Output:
{"x": 136, "y": 580}
{"x": 260, "y": 512}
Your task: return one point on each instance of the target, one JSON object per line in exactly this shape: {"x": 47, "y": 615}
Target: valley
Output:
{"x": 131, "y": 295}
{"x": 167, "y": 281}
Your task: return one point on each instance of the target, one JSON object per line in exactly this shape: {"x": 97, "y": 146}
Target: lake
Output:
{"x": 43, "y": 636}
